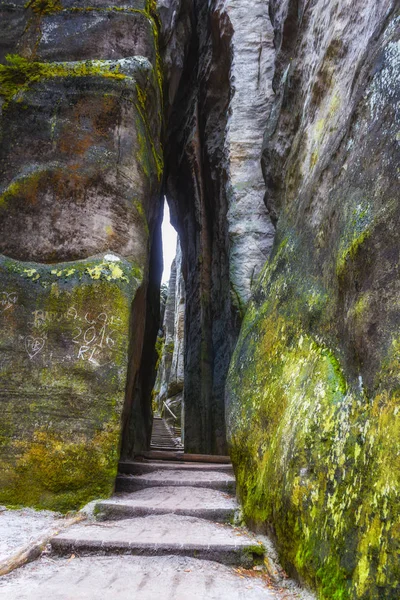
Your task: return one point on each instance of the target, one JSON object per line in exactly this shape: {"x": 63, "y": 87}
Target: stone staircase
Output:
{"x": 166, "y": 508}
{"x": 162, "y": 438}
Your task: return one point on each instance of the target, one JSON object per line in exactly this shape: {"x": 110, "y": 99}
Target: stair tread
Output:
{"x": 182, "y": 477}
{"x": 179, "y": 455}
{"x": 145, "y": 466}
{"x": 155, "y": 532}
{"x": 210, "y": 479}
{"x": 171, "y": 498}
{"x": 197, "y": 502}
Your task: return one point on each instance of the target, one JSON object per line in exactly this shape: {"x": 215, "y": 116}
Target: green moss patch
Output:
{"x": 18, "y": 73}
{"x": 44, "y": 7}
{"x": 316, "y": 454}
{"x": 64, "y": 339}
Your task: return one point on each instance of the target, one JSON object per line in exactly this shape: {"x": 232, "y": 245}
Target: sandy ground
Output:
{"x": 20, "y": 527}
{"x": 126, "y": 577}
{"x": 137, "y": 578}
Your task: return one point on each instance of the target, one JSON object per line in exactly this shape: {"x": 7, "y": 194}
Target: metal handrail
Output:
{"x": 170, "y": 411}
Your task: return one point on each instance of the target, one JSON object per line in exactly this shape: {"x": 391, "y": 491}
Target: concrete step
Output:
{"x": 176, "y": 454}
{"x": 175, "y": 478}
{"x": 208, "y": 458}
{"x": 160, "y": 535}
{"x": 163, "y": 448}
{"x": 159, "y": 442}
{"x": 164, "y": 445}
{"x": 189, "y": 501}
{"x": 138, "y": 467}
{"x": 179, "y": 455}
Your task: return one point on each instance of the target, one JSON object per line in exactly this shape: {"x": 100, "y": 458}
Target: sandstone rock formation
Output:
{"x": 80, "y": 176}
{"x": 313, "y": 392}
{"x": 219, "y": 76}
{"x": 296, "y": 101}
{"x": 250, "y": 229}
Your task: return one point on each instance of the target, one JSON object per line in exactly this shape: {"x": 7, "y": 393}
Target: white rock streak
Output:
{"x": 250, "y": 229}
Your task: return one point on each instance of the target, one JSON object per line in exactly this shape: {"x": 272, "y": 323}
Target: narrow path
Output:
{"x": 162, "y": 437}
{"x": 162, "y": 509}
{"x": 166, "y": 535}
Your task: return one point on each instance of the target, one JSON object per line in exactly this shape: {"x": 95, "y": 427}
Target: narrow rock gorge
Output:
{"x": 273, "y": 129}
{"x": 169, "y": 385}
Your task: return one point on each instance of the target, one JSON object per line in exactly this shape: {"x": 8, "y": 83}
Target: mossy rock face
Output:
{"x": 313, "y": 396}
{"x": 13, "y": 25}
{"x": 51, "y": 30}
{"x": 80, "y": 175}
{"x": 103, "y": 4}
{"x": 78, "y": 158}
{"x": 64, "y": 352}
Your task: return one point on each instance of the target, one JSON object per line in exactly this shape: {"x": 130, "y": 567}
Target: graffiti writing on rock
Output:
{"x": 94, "y": 339}
{"x": 34, "y": 345}
{"x": 89, "y": 336}
{"x": 7, "y": 300}
{"x": 43, "y": 317}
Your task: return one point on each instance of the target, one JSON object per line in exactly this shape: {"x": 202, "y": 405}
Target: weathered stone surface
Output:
{"x": 313, "y": 391}
{"x": 177, "y": 374}
{"x": 196, "y": 167}
{"x": 138, "y": 467}
{"x": 200, "y": 502}
{"x": 64, "y": 338}
{"x": 76, "y": 159}
{"x": 71, "y": 30}
{"x": 161, "y": 535}
{"x": 102, "y": 34}
{"x": 160, "y": 478}
{"x": 251, "y": 232}
{"x": 219, "y": 65}
{"x": 18, "y": 528}
{"x": 80, "y": 175}
{"x": 313, "y": 394}
{"x": 13, "y": 24}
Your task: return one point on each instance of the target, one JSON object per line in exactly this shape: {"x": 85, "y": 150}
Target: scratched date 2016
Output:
{"x": 93, "y": 340}
{"x": 90, "y": 339}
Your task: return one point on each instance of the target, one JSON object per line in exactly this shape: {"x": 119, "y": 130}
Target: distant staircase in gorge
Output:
{"x": 162, "y": 437}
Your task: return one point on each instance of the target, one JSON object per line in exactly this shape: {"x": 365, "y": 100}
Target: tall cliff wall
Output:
{"x": 196, "y": 113}
{"x": 218, "y": 72}
{"x": 300, "y": 94}
{"x": 80, "y": 175}
{"x": 313, "y": 391}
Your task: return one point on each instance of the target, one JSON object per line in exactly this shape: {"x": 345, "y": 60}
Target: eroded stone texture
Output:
{"x": 196, "y": 166}
{"x": 250, "y": 229}
{"x": 71, "y": 163}
{"x": 80, "y": 175}
{"x": 219, "y": 67}
{"x": 313, "y": 389}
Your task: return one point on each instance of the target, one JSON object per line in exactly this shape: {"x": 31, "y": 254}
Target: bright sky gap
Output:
{"x": 169, "y": 237}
